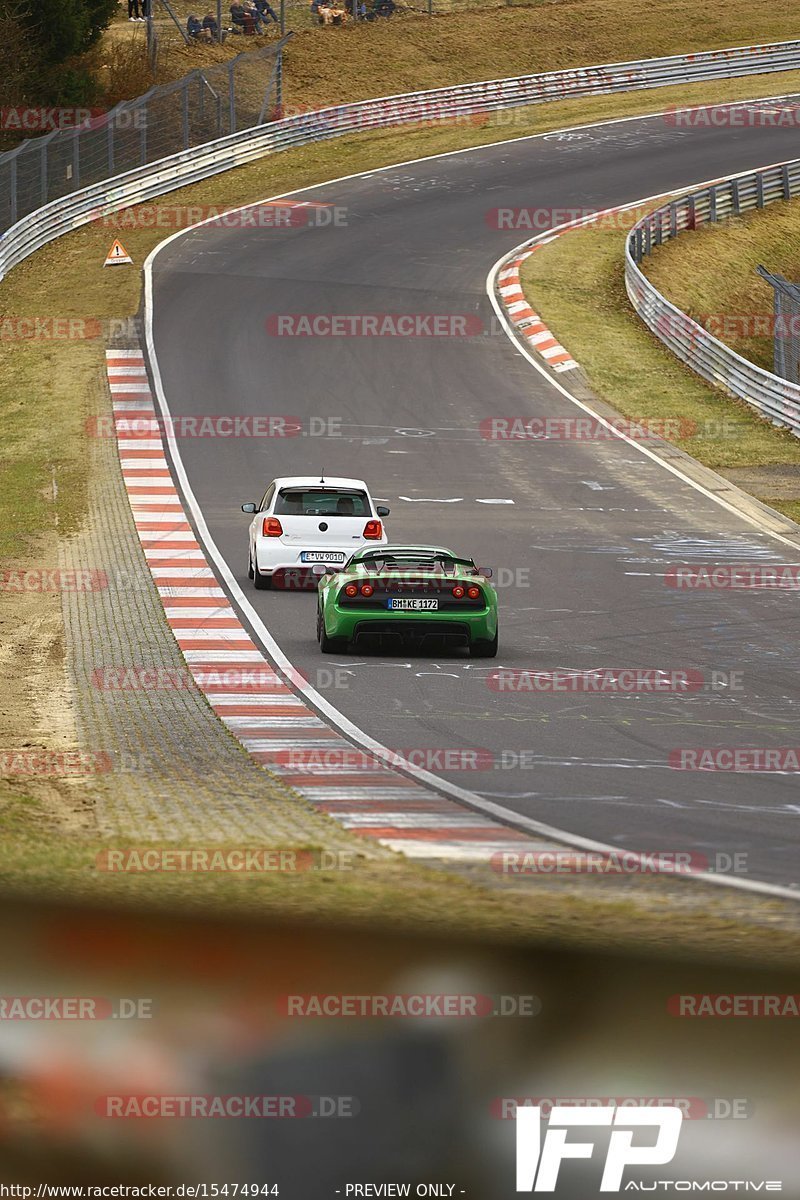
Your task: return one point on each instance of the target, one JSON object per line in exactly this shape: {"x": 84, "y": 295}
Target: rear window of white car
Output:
{"x": 328, "y": 502}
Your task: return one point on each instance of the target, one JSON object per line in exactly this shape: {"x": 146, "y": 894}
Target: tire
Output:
{"x": 262, "y": 583}
{"x": 328, "y": 645}
{"x": 483, "y": 649}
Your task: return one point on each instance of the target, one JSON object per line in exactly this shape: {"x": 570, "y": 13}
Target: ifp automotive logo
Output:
{"x": 538, "y": 1162}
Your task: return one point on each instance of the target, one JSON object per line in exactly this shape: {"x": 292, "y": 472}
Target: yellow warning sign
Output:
{"x": 117, "y": 256}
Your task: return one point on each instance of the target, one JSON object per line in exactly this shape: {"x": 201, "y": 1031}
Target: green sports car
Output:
{"x": 407, "y": 593}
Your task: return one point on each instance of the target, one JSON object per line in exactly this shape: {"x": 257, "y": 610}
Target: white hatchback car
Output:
{"x": 305, "y": 520}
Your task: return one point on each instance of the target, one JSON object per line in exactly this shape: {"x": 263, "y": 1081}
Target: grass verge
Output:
{"x": 632, "y": 371}
{"x": 413, "y": 51}
{"x": 711, "y": 274}
{"x": 38, "y": 857}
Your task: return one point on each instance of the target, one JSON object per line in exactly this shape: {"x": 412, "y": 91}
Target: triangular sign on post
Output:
{"x": 117, "y": 256}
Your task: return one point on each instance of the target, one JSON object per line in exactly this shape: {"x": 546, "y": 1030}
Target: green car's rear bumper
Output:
{"x": 466, "y": 626}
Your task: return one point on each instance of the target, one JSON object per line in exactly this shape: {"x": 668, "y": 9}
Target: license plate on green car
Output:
{"x": 410, "y": 604}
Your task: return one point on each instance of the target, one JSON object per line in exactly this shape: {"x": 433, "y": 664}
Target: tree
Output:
{"x": 16, "y": 52}
{"x": 64, "y": 28}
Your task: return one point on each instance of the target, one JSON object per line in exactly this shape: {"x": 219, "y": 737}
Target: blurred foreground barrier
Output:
{"x": 174, "y": 1049}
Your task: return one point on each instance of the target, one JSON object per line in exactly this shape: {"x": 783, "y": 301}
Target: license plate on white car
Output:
{"x": 406, "y": 604}
{"x": 321, "y": 556}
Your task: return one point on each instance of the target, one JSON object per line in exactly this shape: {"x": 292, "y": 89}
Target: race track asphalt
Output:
{"x": 587, "y": 529}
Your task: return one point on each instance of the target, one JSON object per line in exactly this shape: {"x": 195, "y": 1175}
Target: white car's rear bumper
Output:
{"x": 272, "y": 554}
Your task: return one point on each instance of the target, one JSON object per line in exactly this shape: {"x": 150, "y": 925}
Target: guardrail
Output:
{"x": 460, "y": 103}
{"x": 775, "y": 398}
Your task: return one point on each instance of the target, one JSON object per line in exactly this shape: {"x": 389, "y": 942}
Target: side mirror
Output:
{"x": 249, "y": 508}
{"x": 382, "y": 510}
{"x": 487, "y": 572}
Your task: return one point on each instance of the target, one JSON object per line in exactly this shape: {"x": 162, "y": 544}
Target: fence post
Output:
{"x": 673, "y": 220}
{"x": 759, "y": 190}
{"x": 787, "y": 185}
{"x": 786, "y": 309}
{"x": 12, "y": 183}
{"x": 43, "y": 169}
{"x": 712, "y": 204}
{"x": 737, "y": 208}
{"x": 273, "y": 78}
{"x": 232, "y": 96}
{"x": 185, "y": 107}
{"x": 778, "y": 345}
{"x": 143, "y": 139}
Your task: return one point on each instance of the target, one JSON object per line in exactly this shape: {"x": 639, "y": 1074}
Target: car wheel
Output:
{"x": 483, "y": 649}
{"x": 261, "y": 582}
{"x": 328, "y": 645}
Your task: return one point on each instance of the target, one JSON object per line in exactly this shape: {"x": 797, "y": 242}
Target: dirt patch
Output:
{"x": 779, "y": 483}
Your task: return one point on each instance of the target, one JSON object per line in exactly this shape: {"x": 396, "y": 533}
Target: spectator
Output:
{"x": 133, "y": 10}
{"x": 252, "y": 19}
{"x": 238, "y": 16}
{"x": 211, "y": 27}
{"x": 384, "y": 8}
{"x": 331, "y": 15}
{"x": 265, "y": 11}
{"x": 194, "y": 27}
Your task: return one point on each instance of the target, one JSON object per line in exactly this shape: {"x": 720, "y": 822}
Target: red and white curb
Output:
{"x": 243, "y": 687}
{"x": 528, "y": 323}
